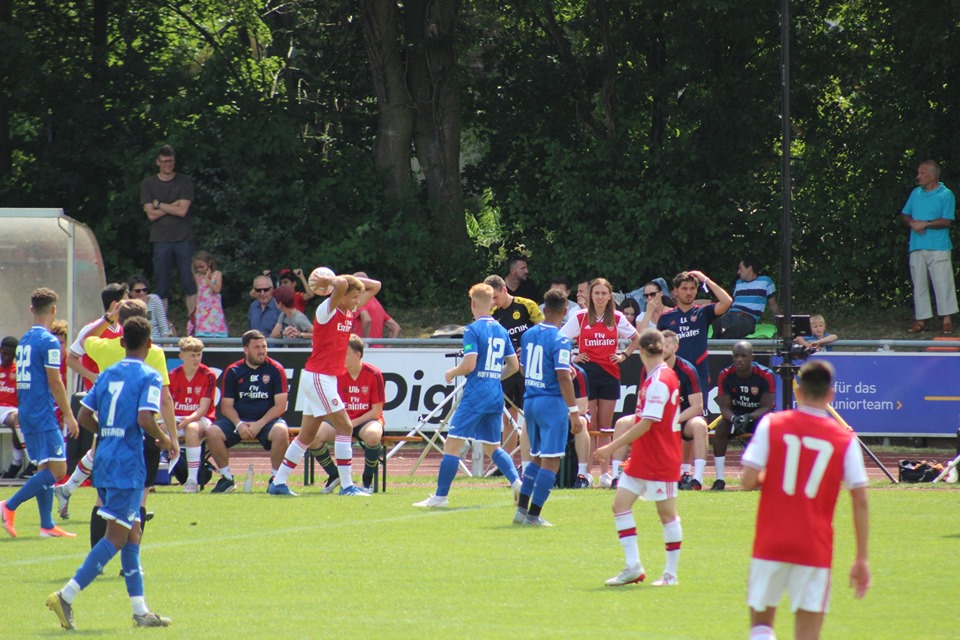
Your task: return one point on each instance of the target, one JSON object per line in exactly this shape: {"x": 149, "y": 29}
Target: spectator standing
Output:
{"x": 751, "y": 294}
{"x": 138, "y": 287}
{"x": 264, "y": 312}
{"x": 518, "y": 279}
{"x": 373, "y": 321}
{"x": 798, "y": 459}
{"x": 563, "y": 285}
{"x": 745, "y": 393}
{"x": 209, "y": 320}
{"x": 929, "y": 212}
{"x": 166, "y": 199}
{"x": 598, "y": 329}
{"x": 690, "y": 321}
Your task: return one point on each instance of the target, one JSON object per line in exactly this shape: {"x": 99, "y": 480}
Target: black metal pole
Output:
{"x": 787, "y": 368}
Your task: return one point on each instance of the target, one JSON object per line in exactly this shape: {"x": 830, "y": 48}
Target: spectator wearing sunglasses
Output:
{"x": 653, "y": 306}
{"x": 264, "y": 312}
{"x": 138, "y": 288}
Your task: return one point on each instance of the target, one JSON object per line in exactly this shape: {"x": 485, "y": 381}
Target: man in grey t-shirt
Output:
{"x": 166, "y": 199}
{"x": 291, "y": 323}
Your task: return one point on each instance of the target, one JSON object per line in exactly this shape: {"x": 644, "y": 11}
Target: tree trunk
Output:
{"x": 392, "y": 148}
{"x": 436, "y": 94}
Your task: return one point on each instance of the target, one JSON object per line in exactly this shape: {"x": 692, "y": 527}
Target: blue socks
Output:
{"x": 130, "y": 563}
{"x": 37, "y": 484}
{"x": 448, "y": 470}
{"x": 96, "y": 560}
{"x": 45, "y": 504}
{"x": 505, "y": 464}
{"x": 541, "y": 489}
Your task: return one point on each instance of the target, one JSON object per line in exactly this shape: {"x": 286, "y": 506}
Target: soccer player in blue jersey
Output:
{"x": 549, "y": 406}
{"x": 488, "y": 356}
{"x": 691, "y": 321}
{"x": 38, "y": 386}
{"x": 126, "y": 399}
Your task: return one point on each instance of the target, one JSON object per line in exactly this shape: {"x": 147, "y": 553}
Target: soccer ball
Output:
{"x": 314, "y": 278}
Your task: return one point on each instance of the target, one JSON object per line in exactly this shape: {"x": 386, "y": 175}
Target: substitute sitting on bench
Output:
{"x": 252, "y": 405}
{"x": 745, "y": 392}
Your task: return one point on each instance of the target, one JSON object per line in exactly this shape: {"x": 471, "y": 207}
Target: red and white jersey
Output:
{"x": 8, "y": 385}
{"x": 187, "y": 394}
{"x": 597, "y": 340}
{"x": 331, "y": 335}
{"x": 657, "y": 454}
{"x": 806, "y": 454}
{"x": 77, "y": 349}
{"x": 364, "y": 391}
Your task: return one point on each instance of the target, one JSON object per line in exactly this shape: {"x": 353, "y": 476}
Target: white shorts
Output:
{"x": 4, "y": 412}
{"x": 649, "y": 490}
{"x": 203, "y": 421}
{"x": 808, "y": 587}
{"x": 320, "y": 396}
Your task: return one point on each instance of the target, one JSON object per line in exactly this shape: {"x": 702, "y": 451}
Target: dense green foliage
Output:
{"x": 628, "y": 139}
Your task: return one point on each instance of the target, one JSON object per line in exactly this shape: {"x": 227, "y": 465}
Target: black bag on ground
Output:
{"x": 918, "y": 471}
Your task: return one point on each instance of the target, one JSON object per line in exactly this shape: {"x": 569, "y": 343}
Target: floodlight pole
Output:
{"x": 787, "y": 368}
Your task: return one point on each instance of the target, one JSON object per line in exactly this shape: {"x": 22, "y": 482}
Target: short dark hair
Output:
{"x": 252, "y": 335}
{"x": 554, "y": 302}
{"x": 136, "y": 279}
{"x": 113, "y": 292}
{"x": 816, "y": 378}
{"x": 9, "y": 342}
{"x": 42, "y": 299}
{"x": 751, "y": 262}
{"x": 166, "y": 151}
{"x": 651, "y": 341}
{"x": 136, "y": 332}
{"x": 560, "y": 280}
{"x": 683, "y": 276}
{"x": 514, "y": 260}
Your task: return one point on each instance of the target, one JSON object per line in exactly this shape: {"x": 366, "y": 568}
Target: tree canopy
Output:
{"x": 425, "y": 141}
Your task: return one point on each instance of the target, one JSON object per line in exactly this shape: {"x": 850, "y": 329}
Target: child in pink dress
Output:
{"x": 208, "y": 320}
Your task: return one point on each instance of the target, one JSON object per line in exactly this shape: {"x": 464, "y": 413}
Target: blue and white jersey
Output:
{"x": 38, "y": 351}
{"x": 544, "y": 351}
{"x": 489, "y": 341}
{"x": 119, "y": 395}
{"x": 751, "y": 297}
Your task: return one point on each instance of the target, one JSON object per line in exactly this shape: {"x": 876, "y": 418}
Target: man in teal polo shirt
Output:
{"x": 929, "y": 213}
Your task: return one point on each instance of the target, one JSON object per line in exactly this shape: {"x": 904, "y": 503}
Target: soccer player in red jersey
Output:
{"x": 654, "y": 465}
{"x": 8, "y": 402}
{"x": 361, "y": 388}
{"x": 331, "y": 334}
{"x": 193, "y": 386}
{"x": 798, "y": 459}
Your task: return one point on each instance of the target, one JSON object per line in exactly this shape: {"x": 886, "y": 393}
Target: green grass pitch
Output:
{"x": 257, "y": 566}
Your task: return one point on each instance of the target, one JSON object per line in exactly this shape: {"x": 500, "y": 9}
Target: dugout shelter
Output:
{"x": 46, "y": 248}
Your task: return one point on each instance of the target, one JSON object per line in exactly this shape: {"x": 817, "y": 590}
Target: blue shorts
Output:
{"x": 120, "y": 505}
{"x": 482, "y": 427}
{"x": 45, "y": 446}
{"x": 263, "y": 436}
{"x": 548, "y": 421}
